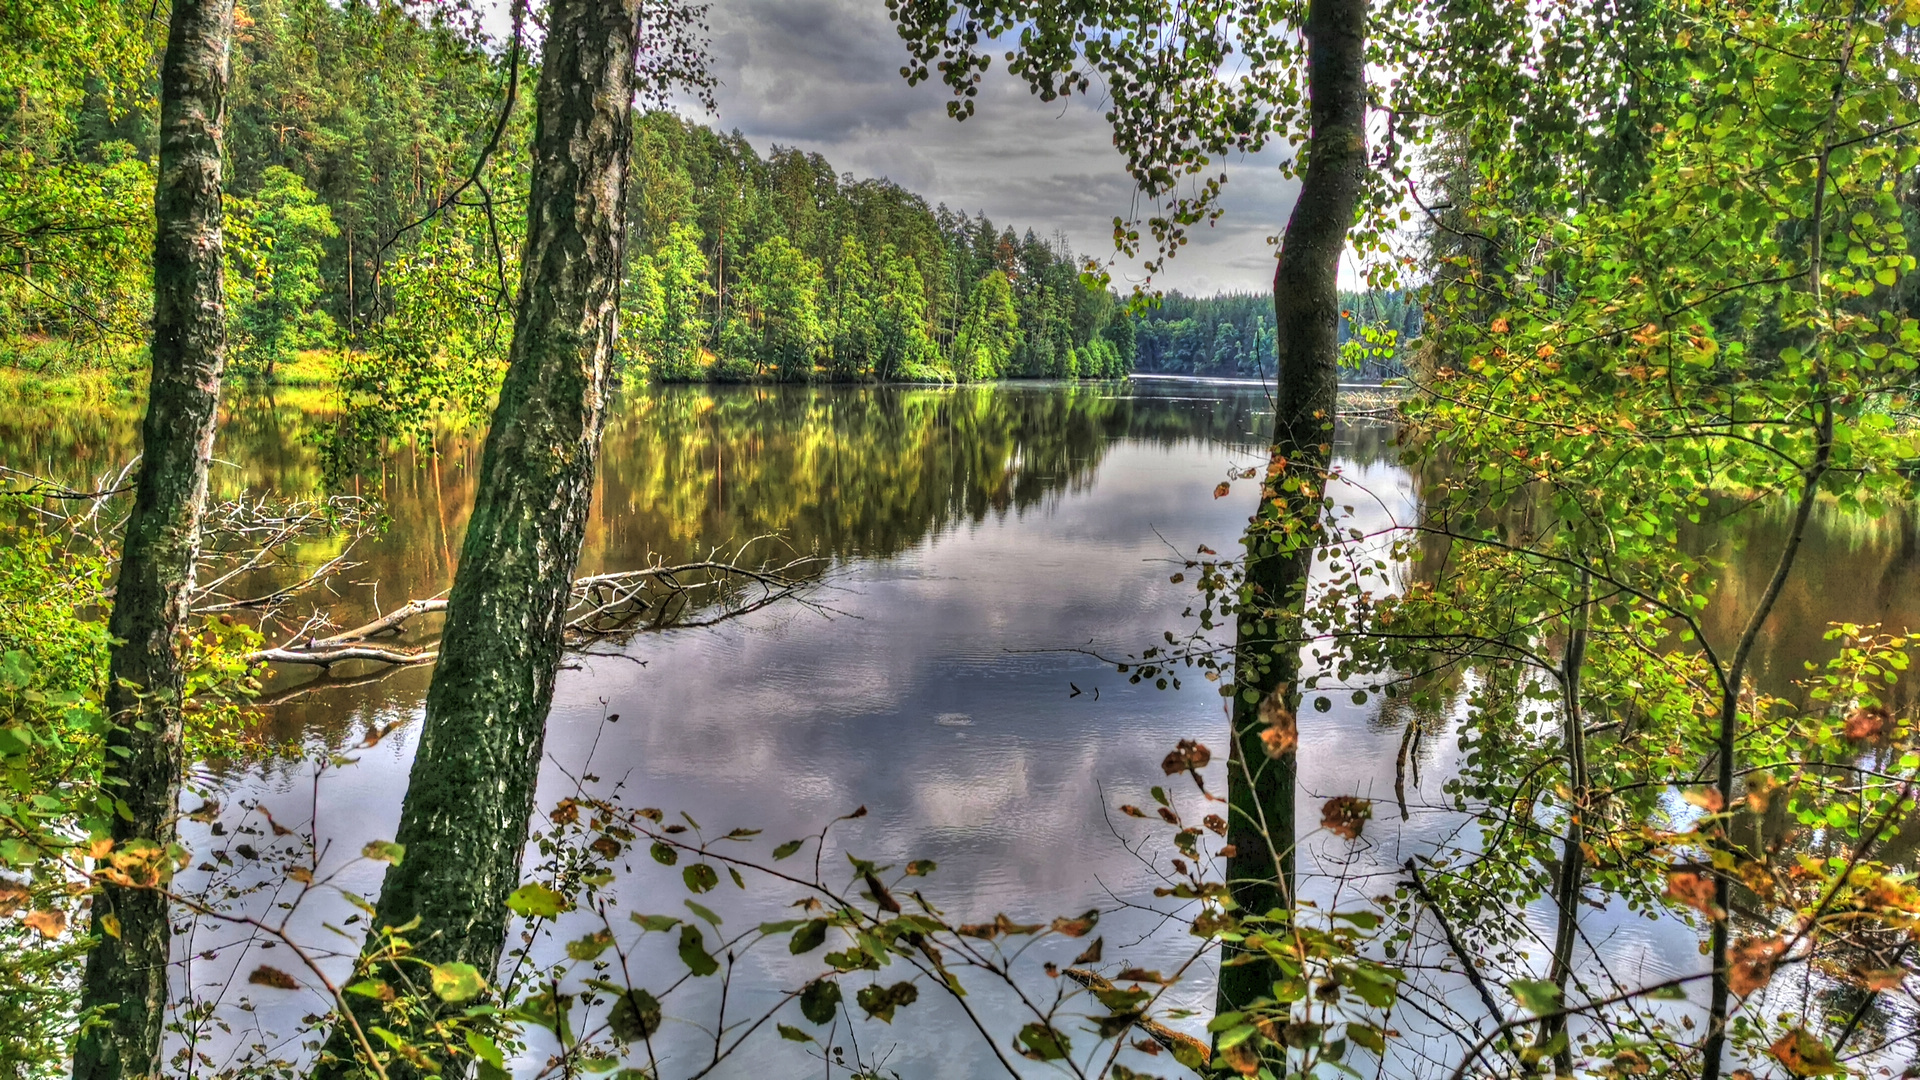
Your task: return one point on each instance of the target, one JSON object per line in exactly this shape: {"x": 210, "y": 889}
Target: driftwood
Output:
{"x": 604, "y": 606}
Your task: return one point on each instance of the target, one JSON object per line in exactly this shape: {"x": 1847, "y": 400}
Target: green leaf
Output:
{"x": 703, "y": 912}
{"x": 664, "y": 853}
{"x": 634, "y": 1017}
{"x": 535, "y": 901}
{"x": 879, "y": 1002}
{"x": 788, "y": 1031}
{"x": 820, "y": 1000}
{"x": 591, "y": 946}
{"x": 693, "y": 951}
{"x": 486, "y": 1050}
{"x": 1042, "y": 1043}
{"x": 787, "y": 849}
{"x": 808, "y": 938}
{"x": 385, "y": 851}
{"x": 454, "y": 983}
{"x": 1537, "y": 996}
{"x": 700, "y": 877}
{"x": 654, "y": 922}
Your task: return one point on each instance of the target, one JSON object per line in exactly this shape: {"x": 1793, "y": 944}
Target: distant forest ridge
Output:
{"x": 1232, "y": 334}
{"x": 358, "y": 216}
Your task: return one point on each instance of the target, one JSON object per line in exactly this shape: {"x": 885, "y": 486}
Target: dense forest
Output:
{"x": 1232, "y": 335}
{"x": 397, "y": 680}
{"x": 373, "y": 200}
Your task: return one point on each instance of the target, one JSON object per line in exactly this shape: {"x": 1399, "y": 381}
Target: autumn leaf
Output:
{"x": 1881, "y": 979}
{"x": 274, "y": 977}
{"x": 1694, "y": 890}
{"x": 1187, "y": 755}
{"x": 1760, "y": 789}
{"x": 1805, "y": 1055}
{"x": 1707, "y": 799}
{"x": 1869, "y": 723}
{"x": 454, "y": 983}
{"x": 1241, "y": 1058}
{"x": 1345, "y": 816}
{"x": 1222, "y": 490}
{"x": 1280, "y": 733}
{"x": 1079, "y": 927}
{"x": 1750, "y": 963}
{"x": 50, "y": 922}
{"x": 1091, "y": 954}
{"x": 12, "y": 897}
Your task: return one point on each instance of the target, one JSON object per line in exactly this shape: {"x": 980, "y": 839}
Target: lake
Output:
{"x": 977, "y": 547}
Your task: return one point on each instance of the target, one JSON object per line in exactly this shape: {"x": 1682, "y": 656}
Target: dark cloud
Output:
{"x": 824, "y": 75}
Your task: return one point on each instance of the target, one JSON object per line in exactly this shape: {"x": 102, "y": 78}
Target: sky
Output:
{"x": 824, "y": 76}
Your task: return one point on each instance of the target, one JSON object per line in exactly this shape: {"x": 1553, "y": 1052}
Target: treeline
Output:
{"x": 1232, "y": 335}
{"x": 746, "y": 266}
{"x": 375, "y": 190}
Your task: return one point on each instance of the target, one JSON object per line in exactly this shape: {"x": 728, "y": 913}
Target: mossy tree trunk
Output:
{"x": 126, "y": 974}
{"x": 1282, "y": 535}
{"x": 469, "y": 798}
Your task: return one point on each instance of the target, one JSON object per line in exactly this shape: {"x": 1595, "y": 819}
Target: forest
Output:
{"x": 373, "y": 191}
{"x": 501, "y": 579}
{"x": 1232, "y": 335}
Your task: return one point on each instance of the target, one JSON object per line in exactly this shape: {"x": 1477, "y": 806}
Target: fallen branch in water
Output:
{"x": 604, "y": 605}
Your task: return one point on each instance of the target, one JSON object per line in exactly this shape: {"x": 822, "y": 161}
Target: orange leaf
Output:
{"x": 1222, "y": 490}
{"x": 1869, "y": 722}
{"x": 1694, "y": 890}
{"x": 1707, "y": 799}
{"x": 1750, "y": 963}
{"x": 1345, "y": 815}
{"x": 274, "y": 977}
{"x": 51, "y": 923}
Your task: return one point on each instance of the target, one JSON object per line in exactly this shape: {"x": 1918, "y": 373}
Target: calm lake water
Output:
{"x": 971, "y": 539}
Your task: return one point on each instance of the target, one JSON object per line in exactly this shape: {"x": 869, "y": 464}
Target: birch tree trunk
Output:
{"x": 126, "y": 974}
{"x": 1281, "y": 536}
{"x": 470, "y": 795}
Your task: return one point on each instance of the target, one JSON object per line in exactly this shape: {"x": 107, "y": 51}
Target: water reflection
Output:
{"x": 969, "y": 536}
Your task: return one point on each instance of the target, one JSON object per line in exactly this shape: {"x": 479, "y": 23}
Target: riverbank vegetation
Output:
{"x": 1658, "y": 267}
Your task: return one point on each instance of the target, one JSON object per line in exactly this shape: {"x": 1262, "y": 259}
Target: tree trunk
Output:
{"x": 126, "y": 975}
{"x": 470, "y": 795}
{"x": 1283, "y": 533}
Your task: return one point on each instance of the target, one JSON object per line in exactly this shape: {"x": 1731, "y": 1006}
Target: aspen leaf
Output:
{"x": 385, "y": 851}
{"x": 1222, "y": 490}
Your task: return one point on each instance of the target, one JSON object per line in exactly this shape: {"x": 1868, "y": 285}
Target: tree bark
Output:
{"x": 126, "y": 974}
{"x": 1282, "y": 534}
{"x": 464, "y": 821}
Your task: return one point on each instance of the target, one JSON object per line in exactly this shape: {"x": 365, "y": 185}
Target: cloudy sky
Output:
{"x": 824, "y": 75}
